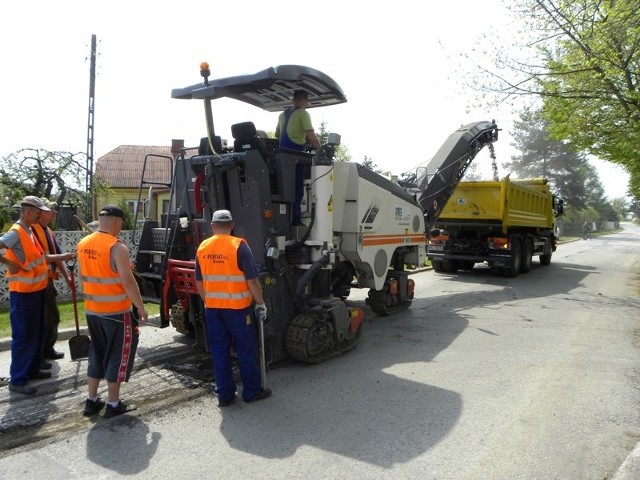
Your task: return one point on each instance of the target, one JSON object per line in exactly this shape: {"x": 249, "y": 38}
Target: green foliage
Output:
{"x": 590, "y": 91}
{"x": 55, "y": 175}
{"x": 579, "y": 216}
{"x": 342, "y": 152}
{"x": 621, "y": 207}
{"x": 7, "y": 214}
{"x": 41, "y": 172}
{"x": 571, "y": 176}
{"x": 370, "y": 164}
{"x": 127, "y": 224}
{"x": 581, "y": 59}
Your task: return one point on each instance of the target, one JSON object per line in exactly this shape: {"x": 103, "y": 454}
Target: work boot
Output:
{"x": 226, "y": 403}
{"x": 262, "y": 394}
{"x": 23, "y": 389}
{"x": 52, "y": 354}
{"x": 40, "y": 375}
{"x": 45, "y": 365}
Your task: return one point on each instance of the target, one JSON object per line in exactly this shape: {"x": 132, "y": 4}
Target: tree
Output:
{"x": 620, "y": 207}
{"x": 591, "y": 91}
{"x": 570, "y": 174}
{"x": 370, "y": 164}
{"x": 472, "y": 174}
{"x": 342, "y": 152}
{"x": 39, "y": 172}
{"x": 583, "y": 60}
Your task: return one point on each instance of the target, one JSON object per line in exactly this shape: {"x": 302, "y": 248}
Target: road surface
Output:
{"x": 534, "y": 377}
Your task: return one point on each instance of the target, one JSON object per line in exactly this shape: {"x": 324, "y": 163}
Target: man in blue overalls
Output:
{"x": 295, "y": 132}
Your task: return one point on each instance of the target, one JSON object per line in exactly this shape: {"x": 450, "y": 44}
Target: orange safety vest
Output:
{"x": 223, "y": 282}
{"x": 33, "y": 276}
{"x": 41, "y": 235}
{"x": 103, "y": 290}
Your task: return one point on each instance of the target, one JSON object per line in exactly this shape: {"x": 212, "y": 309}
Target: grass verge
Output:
{"x": 67, "y": 319}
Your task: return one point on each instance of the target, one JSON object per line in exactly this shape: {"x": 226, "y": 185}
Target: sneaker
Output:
{"x": 118, "y": 410}
{"x": 262, "y": 394}
{"x": 91, "y": 407}
{"x": 24, "y": 389}
{"x": 45, "y": 365}
{"x": 40, "y": 375}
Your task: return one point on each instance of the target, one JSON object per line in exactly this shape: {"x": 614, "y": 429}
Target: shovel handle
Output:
{"x": 263, "y": 360}
{"x": 71, "y": 265}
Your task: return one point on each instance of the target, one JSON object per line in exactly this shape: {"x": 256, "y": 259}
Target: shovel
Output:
{"x": 78, "y": 345}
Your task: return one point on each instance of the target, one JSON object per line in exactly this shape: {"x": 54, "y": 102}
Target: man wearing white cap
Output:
{"x": 227, "y": 280}
{"x": 27, "y": 277}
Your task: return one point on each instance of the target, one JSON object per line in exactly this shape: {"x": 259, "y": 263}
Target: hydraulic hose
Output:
{"x": 308, "y": 275}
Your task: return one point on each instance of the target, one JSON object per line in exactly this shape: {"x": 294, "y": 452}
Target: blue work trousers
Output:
{"x": 26, "y": 313}
{"x": 227, "y": 328}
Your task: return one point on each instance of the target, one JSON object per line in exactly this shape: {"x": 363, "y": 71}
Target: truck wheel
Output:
{"x": 516, "y": 259}
{"x": 545, "y": 259}
{"x": 450, "y": 266}
{"x": 437, "y": 266}
{"x": 527, "y": 254}
{"x": 548, "y": 249}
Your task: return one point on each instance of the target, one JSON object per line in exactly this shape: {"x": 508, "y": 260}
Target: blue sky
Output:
{"x": 398, "y": 64}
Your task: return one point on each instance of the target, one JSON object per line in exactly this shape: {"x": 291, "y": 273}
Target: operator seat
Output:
{"x": 205, "y": 147}
{"x": 245, "y": 137}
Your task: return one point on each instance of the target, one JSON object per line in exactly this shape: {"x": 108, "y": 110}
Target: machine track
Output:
{"x": 310, "y": 340}
{"x": 382, "y": 303}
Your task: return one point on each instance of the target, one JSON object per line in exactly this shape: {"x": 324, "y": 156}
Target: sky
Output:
{"x": 399, "y": 66}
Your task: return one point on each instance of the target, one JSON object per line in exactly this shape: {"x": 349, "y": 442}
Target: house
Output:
{"x": 121, "y": 169}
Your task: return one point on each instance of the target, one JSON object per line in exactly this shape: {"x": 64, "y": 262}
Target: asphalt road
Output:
{"x": 483, "y": 378}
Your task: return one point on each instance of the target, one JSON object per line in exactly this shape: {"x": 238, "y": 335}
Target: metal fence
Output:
{"x": 574, "y": 229}
{"x": 69, "y": 241}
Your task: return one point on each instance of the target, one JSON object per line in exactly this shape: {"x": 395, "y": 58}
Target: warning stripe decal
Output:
{"x": 370, "y": 240}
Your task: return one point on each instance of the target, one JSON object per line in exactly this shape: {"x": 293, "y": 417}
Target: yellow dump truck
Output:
{"x": 504, "y": 223}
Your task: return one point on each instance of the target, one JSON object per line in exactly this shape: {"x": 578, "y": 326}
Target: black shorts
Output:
{"x": 114, "y": 341}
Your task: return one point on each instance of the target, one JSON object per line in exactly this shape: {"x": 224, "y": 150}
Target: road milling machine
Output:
{"x": 360, "y": 229}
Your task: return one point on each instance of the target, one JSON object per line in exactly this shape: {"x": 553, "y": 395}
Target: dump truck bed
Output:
{"x": 511, "y": 203}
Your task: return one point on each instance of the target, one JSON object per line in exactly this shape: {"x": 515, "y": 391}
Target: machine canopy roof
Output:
{"x": 271, "y": 89}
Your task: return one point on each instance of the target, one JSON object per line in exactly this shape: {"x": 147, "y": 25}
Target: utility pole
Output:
{"x": 92, "y": 91}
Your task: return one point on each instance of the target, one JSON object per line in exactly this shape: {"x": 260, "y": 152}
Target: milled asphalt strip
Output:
{"x": 166, "y": 372}
{"x": 630, "y": 468}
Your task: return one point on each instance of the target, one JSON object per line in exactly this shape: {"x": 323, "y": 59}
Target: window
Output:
{"x": 131, "y": 206}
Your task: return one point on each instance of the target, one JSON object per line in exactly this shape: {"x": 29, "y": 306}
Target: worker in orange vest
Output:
{"x": 27, "y": 277}
{"x": 227, "y": 281}
{"x": 50, "y": 245}
{"x": 110, "y": 290}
